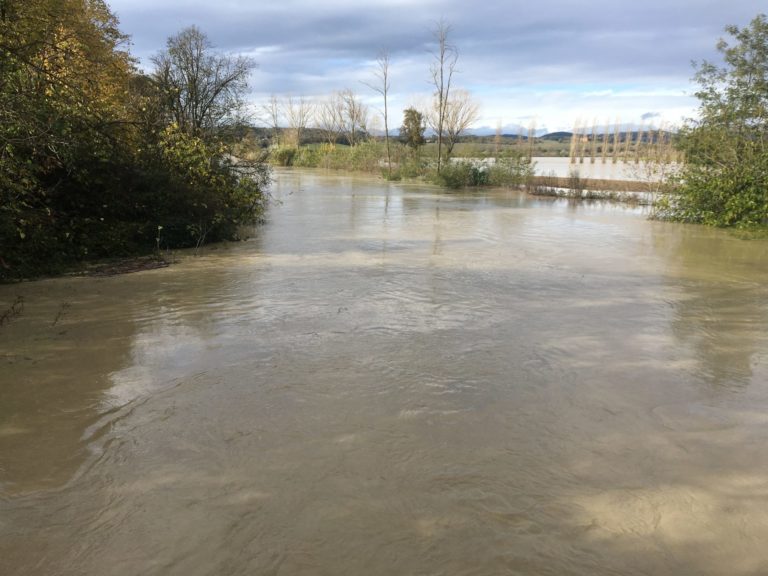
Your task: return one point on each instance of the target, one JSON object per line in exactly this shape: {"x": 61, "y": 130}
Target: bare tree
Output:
{"x": 299, "y": 112}
{"x": 330, "y": 118}
{"x": 460, "y": 113}
{"x": 381, "y": 72}
{"x": 354, "y": 116}
{"x": 201, "y": 89}
{"x": 271, "y": 111}
{"x": 444, "y": 65}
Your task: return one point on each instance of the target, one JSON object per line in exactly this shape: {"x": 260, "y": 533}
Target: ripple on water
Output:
{"x": 687, "y": 417}
{"x": 373, "y": 389}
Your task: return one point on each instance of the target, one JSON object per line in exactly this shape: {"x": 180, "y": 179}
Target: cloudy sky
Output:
{"x": 548, "y": 62}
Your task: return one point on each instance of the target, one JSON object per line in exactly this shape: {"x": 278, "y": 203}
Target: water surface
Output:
{"x": 389, "y": 379}
{"x": 620, "y": 170}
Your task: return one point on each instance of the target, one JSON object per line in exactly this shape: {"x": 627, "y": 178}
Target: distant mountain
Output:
{"x": 516, "y": 130}
{"x": 557, "y": 136}
{"x": 508, "y": 130}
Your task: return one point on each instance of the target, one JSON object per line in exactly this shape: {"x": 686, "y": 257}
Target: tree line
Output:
{"x": 343, "y": 117}
{"x": 98, "y": 159}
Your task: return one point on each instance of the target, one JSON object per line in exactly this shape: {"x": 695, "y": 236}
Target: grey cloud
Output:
{"x": 504, "y": 44}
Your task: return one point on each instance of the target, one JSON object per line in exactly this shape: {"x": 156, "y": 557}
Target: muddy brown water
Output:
{"x": 389, "y": 379}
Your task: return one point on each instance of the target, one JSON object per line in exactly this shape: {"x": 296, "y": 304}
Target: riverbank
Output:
{"x": 113, "y": 267}
{"x": 640, "y": 198}
{"x": 642, "y": 193}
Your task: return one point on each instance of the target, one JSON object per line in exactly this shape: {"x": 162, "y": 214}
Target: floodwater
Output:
{"x": 608, "y": 170}
{"x": 390, "y": 379}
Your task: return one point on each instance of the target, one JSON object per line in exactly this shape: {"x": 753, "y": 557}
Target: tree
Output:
{"x": 382, "y": 87}
{"x": 202, "y": 192}
{"x": 330, "y": 118}
{"x": 299, "y": 112}
{"x": 354, "y": 116}
{"x": 725, "y": 178}
{"x": 443, "y": 66}
{"x": 65, "y": 129}
{"x": 92, "y": 161}
{"x": 412, "y": 130}
{"x": 271, "y": 111}
{"x": 460, "y": 113}
{"x": 202, "y": 89}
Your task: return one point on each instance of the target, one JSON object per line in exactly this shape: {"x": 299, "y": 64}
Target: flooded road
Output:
{"x": 390, "y": 379}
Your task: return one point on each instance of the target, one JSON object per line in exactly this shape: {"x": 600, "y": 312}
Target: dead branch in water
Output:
{"x": 15, "y": 310}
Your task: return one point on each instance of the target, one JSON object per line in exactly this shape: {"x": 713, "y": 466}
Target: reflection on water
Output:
{"x": 722, "y": 314}
{"x": 393, "y": 380}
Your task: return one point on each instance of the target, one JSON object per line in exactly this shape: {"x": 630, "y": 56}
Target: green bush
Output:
{"x": 735, "y": 194}
{"x": 283, "y": 155}
{"x": 366, "y": 157}
{"x": 410, "y": 167}
{"x": 725, "y": 179}
{"x": 307, "y": 157}
{"x": 510, "y": 172}
{"x": 455, "y": 175}
{"x": 207, "y": 196}
{"x": 507, "y": 172}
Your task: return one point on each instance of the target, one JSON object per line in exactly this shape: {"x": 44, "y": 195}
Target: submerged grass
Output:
{"x": 507, "y": 171}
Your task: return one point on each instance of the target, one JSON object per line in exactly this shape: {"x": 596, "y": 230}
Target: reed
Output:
{"x": 627, "y": 146}
{"x": 497, "y": 140}
{"x": 638, "y": 145}
{"x": 574, "y": 141}
{"x": 616, "y": 133}
{"x": 531, "y": 137}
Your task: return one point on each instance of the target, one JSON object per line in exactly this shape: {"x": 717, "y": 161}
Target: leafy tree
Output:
{"x": 64, "y": 129}
{"x": 412, "y": 130}
{"x": 725, "y": 179}
{"x": 89, "y": 164}
{"x": 200, "y": 192}
{"x": 206, "y": 193}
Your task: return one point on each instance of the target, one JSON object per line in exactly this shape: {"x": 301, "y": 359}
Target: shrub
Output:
{"x": 725, "y": 179}
{"x": 510, "y": 172}
{"x": 455, "y": 175}
{"x": 283, "y": 155}
{"x": 307, "y": 157}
